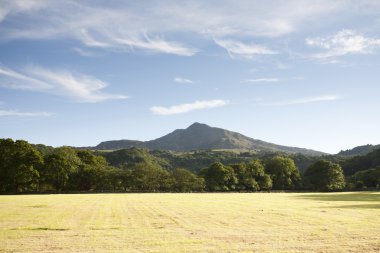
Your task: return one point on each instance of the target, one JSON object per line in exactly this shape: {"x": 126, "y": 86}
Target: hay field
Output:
{"x": 208, "y": 222}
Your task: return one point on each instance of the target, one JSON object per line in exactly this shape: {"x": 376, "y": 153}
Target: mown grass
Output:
{"x": 231, "y": 222}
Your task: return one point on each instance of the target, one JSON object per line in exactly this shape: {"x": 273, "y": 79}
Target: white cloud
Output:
{"x": 15, "y": 80}
{"x": 239, "y": 49}
{"x": 305, "y": 100}
{"x": 4, "y": 113}
{"x": 120, "y": 28}
{"x": 61, "y": 82}
{"x": 259, "y": 80}
{"x": 343, "y": 43}
{"x": 183, "y": 108}
{"x": 182, "y": 80}
{"x": 156, "y": 26}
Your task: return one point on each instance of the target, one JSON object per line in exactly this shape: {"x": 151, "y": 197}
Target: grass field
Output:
{"x": 231, "y": 222}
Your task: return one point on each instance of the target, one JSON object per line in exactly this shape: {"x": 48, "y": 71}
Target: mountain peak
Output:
{"x": 199, "y": 136}
{"x": 198, "y": 125}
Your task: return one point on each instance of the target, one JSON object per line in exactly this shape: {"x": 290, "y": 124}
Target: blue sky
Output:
{"x": 297, "y": 73}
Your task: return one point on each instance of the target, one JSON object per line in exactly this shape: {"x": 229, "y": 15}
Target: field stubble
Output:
{"x": 205, "y": 222}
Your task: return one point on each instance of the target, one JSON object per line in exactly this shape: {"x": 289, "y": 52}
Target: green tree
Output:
{"x": 324, "y": 176}
{"x": 283, "y": 172}
{"x": 93, "y": 173}
{"x": 19, "y": 165}
{"x": 59, "y": 166}
{"x": 150, "y": 178}
{"x": 219, "y": 177}
{"x": 186, "y": 181}
{"x": 251, "y": 176}
{"x": 366, "y": 178}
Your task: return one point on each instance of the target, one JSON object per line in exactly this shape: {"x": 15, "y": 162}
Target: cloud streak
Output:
{"x": 239, "y": 49}
{"x": 82, "y": 88}
{"x": 182, "y": 80}
{"x": 13, "y": 113}
{"x": 262, "y": 80}
{"x": 184, "y": 108}
{"x": 304, "y": 100}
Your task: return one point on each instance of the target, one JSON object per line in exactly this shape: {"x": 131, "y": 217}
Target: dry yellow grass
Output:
{"x": 258, "y": 222}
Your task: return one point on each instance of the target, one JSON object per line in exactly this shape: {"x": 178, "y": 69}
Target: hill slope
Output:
{"x": 360, "y": 150}
{"x": 201, "y": 137}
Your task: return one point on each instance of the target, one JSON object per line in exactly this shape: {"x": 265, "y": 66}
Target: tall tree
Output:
{"x": 219, "y": 177}
{"x": 93, "y": 173}
{"x": 186, "y": 181}
{"x": 59, "y": 166}
{"x": 283, "y": 172}
{"x": 251, "y": 176}
{"x": 324, "y": 176}
{"x": 149, "y": 177}
{"x": 19, "y": 164}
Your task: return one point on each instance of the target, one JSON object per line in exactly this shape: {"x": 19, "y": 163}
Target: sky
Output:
{"x": 296, "y": 73}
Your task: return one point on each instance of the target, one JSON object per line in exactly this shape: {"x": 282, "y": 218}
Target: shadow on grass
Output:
{"x": 349, "y": 197}
{"x": 355, "y": 196}
{"x": 110, "y": 228}
{"x": 42, "y": 229}
{"x": 38, "y": 206}
{"x": 363, "y": 206}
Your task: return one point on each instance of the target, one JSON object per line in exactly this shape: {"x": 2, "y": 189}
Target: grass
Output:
{"x": 231, "y": 222}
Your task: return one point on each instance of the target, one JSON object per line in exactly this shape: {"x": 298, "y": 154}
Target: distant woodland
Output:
{"x": 37, "y": 168}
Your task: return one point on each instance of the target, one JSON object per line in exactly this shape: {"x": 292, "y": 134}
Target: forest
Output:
{"x": 37, "y": 168}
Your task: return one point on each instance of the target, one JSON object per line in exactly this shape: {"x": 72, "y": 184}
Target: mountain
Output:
{"x": 119, "y": 144}
{"x": 360, "y": 150}
{"x": 362, "y": 162}
{"x": 203, "y": 137}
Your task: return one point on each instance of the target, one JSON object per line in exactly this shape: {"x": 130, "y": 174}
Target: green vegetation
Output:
{"x": 19, "y": 164}
{"x": 358, "y": 163}
{"x": 360, "y": 150}
{"x": 209, "y": 222}
{"x": 24, "y": 169}
{"x": 284, "y": 173}
{"x": 366, "y": 179}
{"x": 324, "y": 176}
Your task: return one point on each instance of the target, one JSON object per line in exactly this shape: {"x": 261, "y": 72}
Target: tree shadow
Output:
{"x": 355, "y": 196}
{"x": 42, "y": 229}
{"x": 363, "y": 206}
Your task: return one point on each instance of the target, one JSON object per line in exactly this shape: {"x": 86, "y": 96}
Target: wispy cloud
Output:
{"x": 85, "y": 53}
{"x": 122, "y": 27}
{"x": 183, "y": 108}
{"x": 182, "y": 80}
{"x": 261, "y": 80}
{"x": 157, "y": 27}
{"x": 14, "y": 113}
{"x": 306, "y": 100}
{"x": 239, "y": 49}
{"x": 344, "y": 42}
{"x": 83, "y": 88}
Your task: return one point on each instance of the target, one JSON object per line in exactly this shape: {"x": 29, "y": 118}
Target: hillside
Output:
{"x": 203, "y": 137}
{"x": 119, "y": 144}
{"x": 363, "y": 162}
{"x": 360, "y": 150}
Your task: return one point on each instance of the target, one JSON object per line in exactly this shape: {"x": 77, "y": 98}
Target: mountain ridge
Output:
{"x": 359, "y": 150}
{"x": 199, "y": 136}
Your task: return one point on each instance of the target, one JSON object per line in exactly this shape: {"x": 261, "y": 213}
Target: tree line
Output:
{"x": 23, "y": 168}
